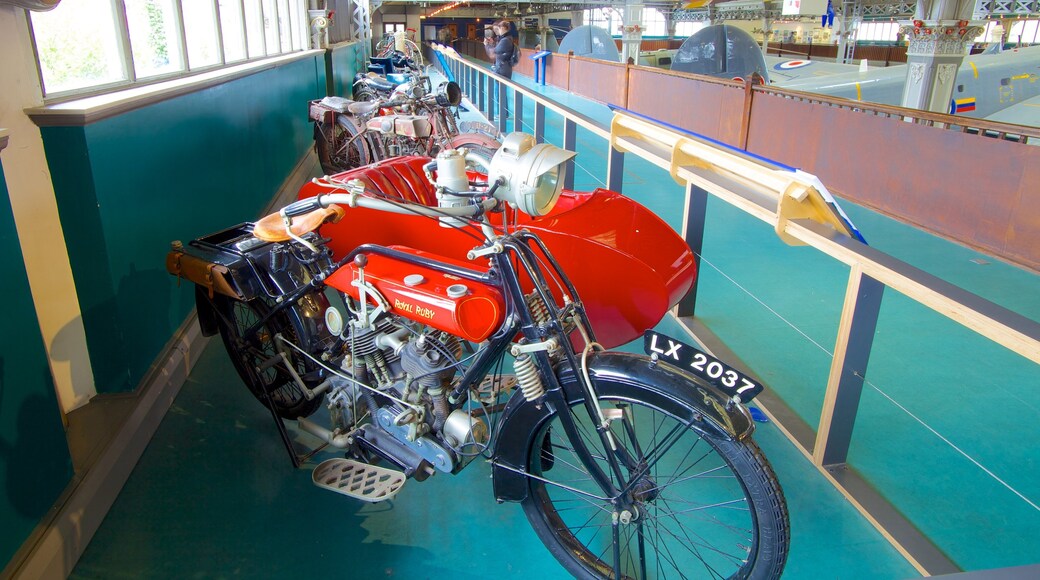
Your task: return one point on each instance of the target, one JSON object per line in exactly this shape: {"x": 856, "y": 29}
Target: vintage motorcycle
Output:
{"x": 388, "y": 301}
{"x": 411, "y": 120}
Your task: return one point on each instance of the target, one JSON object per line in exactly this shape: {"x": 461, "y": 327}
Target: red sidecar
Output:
{"x": 628, "y": 265}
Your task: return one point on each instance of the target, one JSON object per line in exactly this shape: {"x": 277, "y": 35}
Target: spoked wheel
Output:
{"x": 339, "y": 146}
{"x": 248, "y": 352}
{"x": 694, "y": 505}
{"x": 365, "y": 94}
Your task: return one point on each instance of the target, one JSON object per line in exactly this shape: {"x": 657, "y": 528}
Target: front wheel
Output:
{"x": 694, "y": 504}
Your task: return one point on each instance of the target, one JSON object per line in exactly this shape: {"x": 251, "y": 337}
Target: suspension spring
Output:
{"x": 539, "y": 311}
{"x": 527, "y": 375}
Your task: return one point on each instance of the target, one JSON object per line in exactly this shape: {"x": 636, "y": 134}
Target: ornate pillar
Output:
{"x": 935, "y": 52}
{"x": 938, "y": 38}
{"x": 767, "y": 28}
{"x": 631, "y": 31}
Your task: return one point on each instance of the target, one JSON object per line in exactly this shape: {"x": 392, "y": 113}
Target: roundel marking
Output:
{"x": 788, "y": 65}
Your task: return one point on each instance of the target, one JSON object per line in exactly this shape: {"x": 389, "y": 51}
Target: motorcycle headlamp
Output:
{"x": 448, "y": 94}
{"x": 531, "y": 173}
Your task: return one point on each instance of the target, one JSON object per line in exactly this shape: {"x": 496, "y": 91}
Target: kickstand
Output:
{"x": 296, "y": 458}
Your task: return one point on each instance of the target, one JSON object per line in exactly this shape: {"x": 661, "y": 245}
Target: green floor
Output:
{"x": 215, "y": 495}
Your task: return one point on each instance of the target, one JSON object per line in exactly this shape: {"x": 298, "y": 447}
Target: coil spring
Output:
{"x": 539, "y": 311}
{"x": 527, "y": 375}
{"x": 377, "y": 361}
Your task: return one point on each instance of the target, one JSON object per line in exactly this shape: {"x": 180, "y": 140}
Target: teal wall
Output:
{"x": 344, "y": 61}
{"x": 34, "y": 457}
{"x": 127, "y": 185}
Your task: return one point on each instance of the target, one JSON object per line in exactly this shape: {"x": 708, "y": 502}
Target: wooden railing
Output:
{"x": 783, "y": 198}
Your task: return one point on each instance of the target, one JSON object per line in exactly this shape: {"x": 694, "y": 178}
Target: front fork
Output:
{"x": 620, "y": 462}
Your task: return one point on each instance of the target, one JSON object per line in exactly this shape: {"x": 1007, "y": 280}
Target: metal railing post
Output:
{"x": 518, "y": 111}
{"x": 570, "y": 139}
{"x": 615, "y": 169}
{"x": 859, "y": 319}
{"x": 539, "y": 123}
{"x": 693, "y": 233}
{"x": 480, "y": 90}
{"x": 489, "y": 112}
{"x": 503, "y": 106}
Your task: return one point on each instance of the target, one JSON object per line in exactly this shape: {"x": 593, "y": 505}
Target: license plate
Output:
{"x": 719, "y": 374}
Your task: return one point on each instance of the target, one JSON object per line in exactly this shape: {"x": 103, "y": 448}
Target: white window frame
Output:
{"x": 297, "y": 25}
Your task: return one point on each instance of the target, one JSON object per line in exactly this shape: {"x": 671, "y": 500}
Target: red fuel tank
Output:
{"x": 467, "y": 309}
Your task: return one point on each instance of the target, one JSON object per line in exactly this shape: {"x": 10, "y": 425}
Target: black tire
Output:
{"x": 247, "y": 353}
{"x": 708, "y": 508}
{"x": 352, "y": 151}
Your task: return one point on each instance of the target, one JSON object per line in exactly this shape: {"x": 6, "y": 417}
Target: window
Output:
{"x": 92, "y": 46}
{"x": 687, "y": 28}
{"x": 605, "y": 18}
{"x": 75, "y": 48}
{"x": 1023, "y": 32}
{"x": 392, "y": 27}
{"x": 232, "y": 29}
{"x": 654, "y": 23}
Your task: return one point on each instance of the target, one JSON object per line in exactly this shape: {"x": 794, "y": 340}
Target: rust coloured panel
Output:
{"x": 964, "y": 187}
{"x": 712, "y": 108}
{"x": 557, "y": 71}
{"x": 598, "y": 80}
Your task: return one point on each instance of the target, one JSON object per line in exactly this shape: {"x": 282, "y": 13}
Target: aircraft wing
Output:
{"x": 785, "y": 70}
{"x": 1026, "y": 112}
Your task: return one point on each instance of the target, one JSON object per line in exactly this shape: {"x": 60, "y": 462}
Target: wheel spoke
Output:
{"x": 690, "y": 509}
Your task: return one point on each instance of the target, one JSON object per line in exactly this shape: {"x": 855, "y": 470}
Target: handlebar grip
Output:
{"x": 302, "y": 207}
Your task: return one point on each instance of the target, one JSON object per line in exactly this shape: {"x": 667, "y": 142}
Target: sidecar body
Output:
{"x": 628, "y": 265}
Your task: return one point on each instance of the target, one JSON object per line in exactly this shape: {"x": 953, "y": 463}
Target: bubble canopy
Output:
{"x": 590, "y": 41}
{"x": 721, "y": 50}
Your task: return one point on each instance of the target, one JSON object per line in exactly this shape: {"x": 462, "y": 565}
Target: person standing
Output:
{"x": 500, "y": 49}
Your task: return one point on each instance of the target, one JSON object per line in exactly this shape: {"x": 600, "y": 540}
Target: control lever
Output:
{"x": 302, "y": 207}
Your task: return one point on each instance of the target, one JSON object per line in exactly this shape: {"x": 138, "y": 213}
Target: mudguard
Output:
{"x": 625, "y": 375}
{"x": 208, "y": 318}
{"x": 464, "y": 139}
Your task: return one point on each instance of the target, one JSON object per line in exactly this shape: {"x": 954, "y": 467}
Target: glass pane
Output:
{"x": 254, "y": 29}
{"x": 271, "y": 26}
{"x": 154, "y": 37}
{"x": 283, "y": 25}
{"x": 231, "y": 29}
{"x": 294, "y": 24}
{"x": 77, "y": 46}
{"x": 200, "y": 30}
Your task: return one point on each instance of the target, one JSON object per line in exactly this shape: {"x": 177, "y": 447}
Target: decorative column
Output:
{"x": 767, "y": 28}
{"x": 936, "y": 50}
{"x": 631, "y": 31}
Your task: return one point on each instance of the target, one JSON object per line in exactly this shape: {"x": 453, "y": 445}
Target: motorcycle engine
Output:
{"x": 411, "y": 371}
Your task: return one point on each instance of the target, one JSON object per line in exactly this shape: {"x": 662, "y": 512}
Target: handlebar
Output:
{"x": 302, "y": 207}
{"x": 351, "y": 200}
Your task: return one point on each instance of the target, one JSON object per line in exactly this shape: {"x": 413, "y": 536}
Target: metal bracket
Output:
{"x": 545, "y": 345}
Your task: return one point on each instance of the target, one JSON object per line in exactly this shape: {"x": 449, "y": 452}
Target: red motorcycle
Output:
{"x": 396, "y": 296}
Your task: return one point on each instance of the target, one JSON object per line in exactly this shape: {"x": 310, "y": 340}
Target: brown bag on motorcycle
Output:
{"x": 211, "y": 276}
